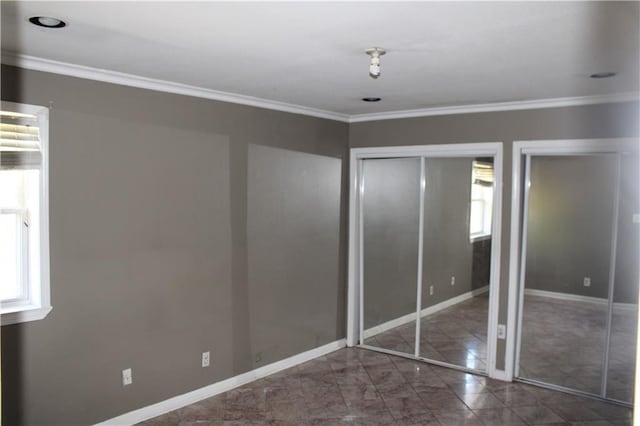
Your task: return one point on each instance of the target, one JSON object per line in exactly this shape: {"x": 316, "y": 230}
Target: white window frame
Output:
{"x": 22, "y": 247}
{"x": 485, "y": 233}
{"x": 36, "y": 303}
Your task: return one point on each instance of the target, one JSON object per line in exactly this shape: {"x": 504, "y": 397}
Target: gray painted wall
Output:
{"x": 570, "y": 223}
{"x": 111, "y": 312}
{"x": 447, "y": 249}
{"x": 593, "y": 121}
{"x": 164, "y": 210}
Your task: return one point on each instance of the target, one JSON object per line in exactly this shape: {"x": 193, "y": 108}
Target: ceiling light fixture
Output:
{"x": 47, "y": 22}
{"x": 602, "y": 75}
{"x": 371, "y": 99}
{"x": 374, "y": 66}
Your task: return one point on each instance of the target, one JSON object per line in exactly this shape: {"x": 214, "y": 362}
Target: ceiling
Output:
{"x": 311, "y": 54}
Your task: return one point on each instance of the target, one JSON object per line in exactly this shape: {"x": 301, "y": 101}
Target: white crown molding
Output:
{"x": 497, "y": 106}
{"x": 107, "y": 76}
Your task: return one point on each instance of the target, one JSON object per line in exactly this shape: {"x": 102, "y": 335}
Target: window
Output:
{"x": 481, "y": 199}
{"x": 24, "y": 232}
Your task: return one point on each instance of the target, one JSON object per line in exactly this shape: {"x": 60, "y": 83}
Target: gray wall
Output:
{"x": 628, "y": 243}
{"x": 593, "y": 121}
{"x": 570, "y": 221}
{"x": 177, "y": 225}
{"x": 447, "y": 249}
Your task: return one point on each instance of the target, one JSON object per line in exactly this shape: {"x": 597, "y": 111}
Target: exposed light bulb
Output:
{"x": 374, "y": 66}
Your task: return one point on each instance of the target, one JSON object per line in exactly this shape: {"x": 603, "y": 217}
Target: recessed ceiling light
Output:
{"x": 47, "y": 22}
{"x": 602, "y": 75}
{"x": 371, "y": 99}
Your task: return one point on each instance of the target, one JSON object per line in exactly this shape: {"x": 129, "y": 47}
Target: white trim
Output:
{"x": 25, "y": 315}
{"x": 423, "y": 182}
{"x": 497, "y": 106}
{"x": 131, "y": 80}
{"x": 430, "y": 310}
{"x": 540, "y": 147}
{"x": 353, "y": 310}
{"x": 479, "y": 149}
{"x": 496, "y": 250}
{"x": 115, "y": 77}
{"x": 564, "y": 296}
{"x": 578, "y": 298}
{"x": 180, "y": 401}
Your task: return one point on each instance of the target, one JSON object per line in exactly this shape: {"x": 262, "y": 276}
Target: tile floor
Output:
{"x": 562, "y": 342}
{"x": 457, "y": 335}
{"x": 359, "y": 387}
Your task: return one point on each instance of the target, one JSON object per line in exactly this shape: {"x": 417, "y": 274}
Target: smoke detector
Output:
{"x": 374, "y": 66}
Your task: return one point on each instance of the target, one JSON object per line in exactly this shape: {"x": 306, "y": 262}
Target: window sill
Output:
{"x": 476, "y": 238}
{"x": 24, "y": 314}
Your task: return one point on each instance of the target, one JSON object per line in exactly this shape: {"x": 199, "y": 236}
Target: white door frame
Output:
{"x": 486, "y": 149}
{"x": 538, "y": 147}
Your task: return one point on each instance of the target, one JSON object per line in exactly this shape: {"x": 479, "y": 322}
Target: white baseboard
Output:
{"x": 406, "y": 319}
{"x": 577, "y": 298}
{"x": 180, "y": 401}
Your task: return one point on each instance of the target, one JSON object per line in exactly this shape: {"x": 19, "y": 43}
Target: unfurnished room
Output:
{"x": 319, "y": 213}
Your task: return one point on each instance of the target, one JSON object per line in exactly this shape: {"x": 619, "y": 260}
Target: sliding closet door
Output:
{"x": 569, "y": 219}
{"x": 622, "y": 349}
{"x": 458, "y": 201}
{"x": 390, "y": 221}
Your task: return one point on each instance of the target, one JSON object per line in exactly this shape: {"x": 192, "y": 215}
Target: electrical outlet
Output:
{"x": 127, "y": 377}
{"x": 502, "y": 331}
{"x": 635, "y": 218}
{"x": 205, "y": 359}
{"x": 453, "y": 280}
{"x": 587, "y": 281}
{"x": 430, "y": 290}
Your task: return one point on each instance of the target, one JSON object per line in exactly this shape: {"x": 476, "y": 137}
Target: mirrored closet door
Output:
{"x": 579, "y": 273}
{"x": 425, "y": 228}
{"x": 390, "y": 228}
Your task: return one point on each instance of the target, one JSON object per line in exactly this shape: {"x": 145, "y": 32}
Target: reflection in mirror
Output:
{"x": 622, "y": 349}
{"x": 458, "y": 204}
{"x": 390, "y": 229}
{"x": 568, "y": 217}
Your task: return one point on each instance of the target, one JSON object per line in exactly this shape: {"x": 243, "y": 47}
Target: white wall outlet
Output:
{"x": 502, "y": 331}
{"x": 205, "y": 359}
{"x": 635, "y": 218}
{"x": 587, "y": 281}
{"x": 127, "y": 377}
{"x": 430, "y": 290}
{"x": 453, "y": 280}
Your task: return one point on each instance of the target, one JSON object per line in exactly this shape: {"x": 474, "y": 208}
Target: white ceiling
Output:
{"x": 312, "y": 54}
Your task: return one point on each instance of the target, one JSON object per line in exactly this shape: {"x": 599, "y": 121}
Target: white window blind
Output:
{"x": 20, "y": 141}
